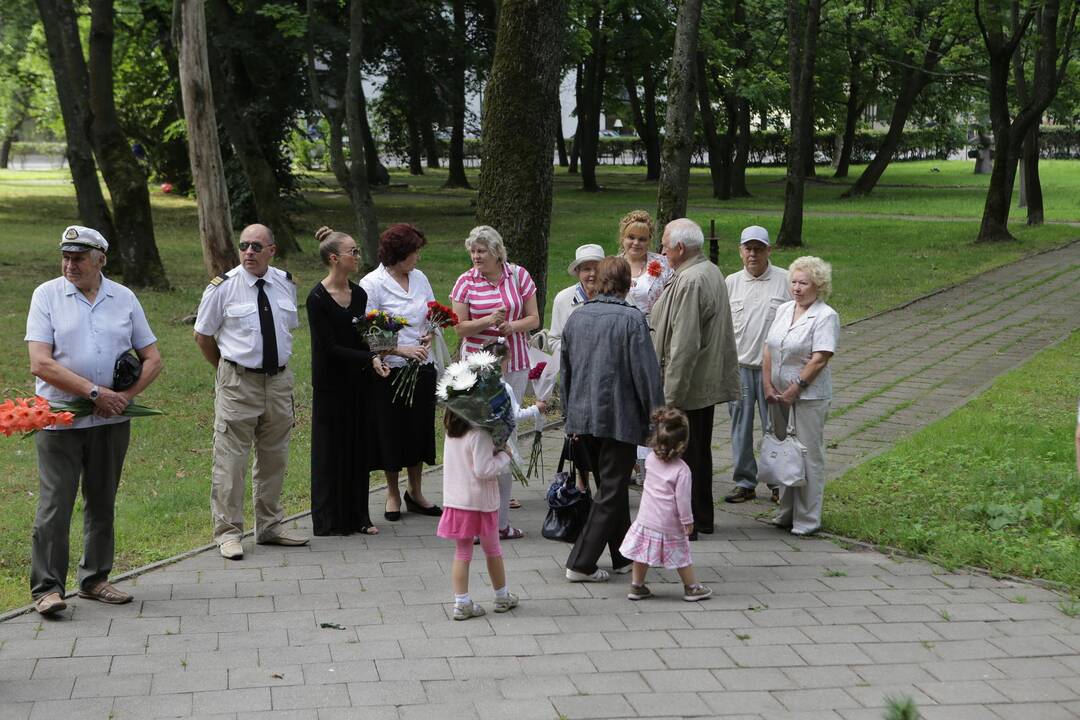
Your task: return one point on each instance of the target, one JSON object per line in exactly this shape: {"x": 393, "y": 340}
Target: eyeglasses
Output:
{"x": 253, "y": 246}
{"x": 355, "y": 252}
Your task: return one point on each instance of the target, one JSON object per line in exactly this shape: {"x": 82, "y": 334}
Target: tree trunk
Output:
{"x": 742, "y": 103}
{"x": 136, "y": 249}
{"x": 73, "y": 91}
{"x": 560, "y": 141}
{"x": 802, "y": 55}
{"x": 679, "y": 128}
{"x": 579, "y": 103}
{"x": 377, "y": 173}
{"x": 593, "y": 91}
{"x": 995, "y": 219}
{"x": 416, "y": 153}
{"x": 5, "y": 150}
{"x": 742, "y": 148}
{"x": 431, "y": 145}
{"x": 851, "y": 117}
{"x": 204, "y": 148}
{"x": 338, "y": 163}
{"x": 367, "y": 229}
{"x": 721, "y": 179}
{"x": 516, "y": 171}
{"x": 914, "y": 80}
{"x": 644, "y": 120}
{"x": 1035, "y": 215}
{"x": 456, "y": 177}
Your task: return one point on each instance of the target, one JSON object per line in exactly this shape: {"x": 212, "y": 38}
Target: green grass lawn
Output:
{"x": 992, "y": 485}
{"x": 163, "y": 504}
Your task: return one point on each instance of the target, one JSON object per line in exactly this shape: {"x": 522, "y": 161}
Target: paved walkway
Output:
{"x": 799, "y": 627}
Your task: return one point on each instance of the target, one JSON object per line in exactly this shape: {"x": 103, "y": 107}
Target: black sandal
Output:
{"x": 366, "y": 530}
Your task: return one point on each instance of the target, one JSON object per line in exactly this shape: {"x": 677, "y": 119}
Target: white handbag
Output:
{"x": 783, "y": 462}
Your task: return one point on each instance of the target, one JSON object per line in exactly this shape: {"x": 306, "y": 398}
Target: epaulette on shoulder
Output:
{"x": 219, "y": 279}
{"x": 289, "y": 277}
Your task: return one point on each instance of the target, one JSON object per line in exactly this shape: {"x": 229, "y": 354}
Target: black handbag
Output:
{"x": 568, "y": 507}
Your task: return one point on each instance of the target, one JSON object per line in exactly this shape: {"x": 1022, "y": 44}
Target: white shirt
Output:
{"x": 790, "y": 346}
{"x": 754, "y": 301}
{"x": 85, "y": 338}
{"x": 384, "y": 293}
{"x": 229, "y": 311}
{"x": 566, "y": 301}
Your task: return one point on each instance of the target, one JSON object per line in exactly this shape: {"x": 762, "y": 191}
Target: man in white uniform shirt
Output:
{"x": 755, "y": 292}
{"x": 244, "y": 329}
{"x": 78, "y": 326}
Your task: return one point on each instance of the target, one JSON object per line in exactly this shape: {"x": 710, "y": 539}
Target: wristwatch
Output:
{"x": 801, "y": 383}
{"x": 94, "y": 392}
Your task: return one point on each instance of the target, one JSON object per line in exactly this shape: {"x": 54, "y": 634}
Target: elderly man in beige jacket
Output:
{"x": 699, "y": 362}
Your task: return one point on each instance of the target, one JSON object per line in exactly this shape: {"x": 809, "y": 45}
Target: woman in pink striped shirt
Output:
{"x": 494, "y": 299}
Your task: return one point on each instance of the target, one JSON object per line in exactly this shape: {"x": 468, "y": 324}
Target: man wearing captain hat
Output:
{"x": 79, "y": 332}
{"x": 754, "y": 292}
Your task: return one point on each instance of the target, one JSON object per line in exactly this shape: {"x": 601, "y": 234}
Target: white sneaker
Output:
{"x": 600, "y": 575}
{"x": 232, "y": 550}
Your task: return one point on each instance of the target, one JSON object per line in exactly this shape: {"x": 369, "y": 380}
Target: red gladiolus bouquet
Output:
{"x": 438, "y": 317}
{"x": 654, "y": 268}
{"x": 536, "y": 453}
{"x": 28, "y": 415}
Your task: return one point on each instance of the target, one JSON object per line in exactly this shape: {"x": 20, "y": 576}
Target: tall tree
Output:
{"x": 456, "y": 177}
{"x": 719, "y": 146}
{"x": 241, "y": 83}
{"x": 915, "y": 64}
{"x": 73, "y": 91}
{"x": 367, "y": 229}
{"x": 857, "y": 94}
{"x": 516, "y": 170}
{"x": 136, "y": 246}
{"x": 641, "y": 38}
{"x": 1001, "y": 35}
{"x": 591, "y": 106}
{"x": 679, "y": 125}
{"x": 1031, "y": 184}
{"x": 204, "y": 146}
{"x": 803, "y": 25}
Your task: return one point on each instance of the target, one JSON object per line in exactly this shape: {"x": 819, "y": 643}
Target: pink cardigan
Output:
{"x": 665, "y": 499}
{"x": 471, "y": 472}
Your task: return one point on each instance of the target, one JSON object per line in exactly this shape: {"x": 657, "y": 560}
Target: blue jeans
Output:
{"x": 742, "y": 426}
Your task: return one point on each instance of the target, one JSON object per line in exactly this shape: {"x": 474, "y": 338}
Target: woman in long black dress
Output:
{"x": 341, "y": 373}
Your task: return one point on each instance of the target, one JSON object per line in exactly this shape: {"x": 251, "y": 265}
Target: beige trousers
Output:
{"x": 250, "y": 408}
{"x": 800, "y": 508}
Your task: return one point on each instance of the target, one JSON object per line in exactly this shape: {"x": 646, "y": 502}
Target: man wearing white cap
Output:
{"x": 755, "y": 293}
{"x": 78, "y": 327}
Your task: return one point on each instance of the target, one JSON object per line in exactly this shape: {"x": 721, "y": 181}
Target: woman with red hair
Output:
{"x": 405, "y": 433}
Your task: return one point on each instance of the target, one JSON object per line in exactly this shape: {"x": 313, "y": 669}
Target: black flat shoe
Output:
{"x": 433, "y": 511}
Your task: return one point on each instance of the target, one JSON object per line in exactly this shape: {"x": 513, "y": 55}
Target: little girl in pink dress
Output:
{"x": 659, "y": 536}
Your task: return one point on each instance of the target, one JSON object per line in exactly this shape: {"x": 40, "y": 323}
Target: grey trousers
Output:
{"x": 506, "y": 489}
{"x": 744, "y": 465}
{"x": 250, "y": 409}
{"x": 94, "y": 455}
{"x": 800, "y": 508}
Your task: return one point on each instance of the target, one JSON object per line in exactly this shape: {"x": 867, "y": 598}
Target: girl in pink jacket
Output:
{"x": 471, "y": 469}
{"x": 660, "y": 533}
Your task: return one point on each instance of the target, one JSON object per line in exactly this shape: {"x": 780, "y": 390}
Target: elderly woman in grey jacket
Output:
{"x": 610, "y": 386}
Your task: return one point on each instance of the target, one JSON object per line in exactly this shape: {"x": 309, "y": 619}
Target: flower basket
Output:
{"x": 379, "y": 339}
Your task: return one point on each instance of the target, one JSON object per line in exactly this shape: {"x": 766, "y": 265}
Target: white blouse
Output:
{"x": 791, "y": 345}
{"x": 384, "y": 293}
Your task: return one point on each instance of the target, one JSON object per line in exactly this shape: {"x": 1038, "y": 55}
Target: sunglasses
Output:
{"x": 355, "y": 252}
{"x": 253, "y": 246}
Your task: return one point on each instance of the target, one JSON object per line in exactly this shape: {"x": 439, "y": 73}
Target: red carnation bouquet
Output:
{"x": 439, "y": 316}
{"x": 654, "y": 268}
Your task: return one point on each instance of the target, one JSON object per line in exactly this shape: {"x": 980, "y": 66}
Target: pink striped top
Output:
{"x": 483, "y": 299}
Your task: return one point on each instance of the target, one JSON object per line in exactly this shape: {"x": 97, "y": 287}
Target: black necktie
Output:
{"x": 266, "y": 325}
